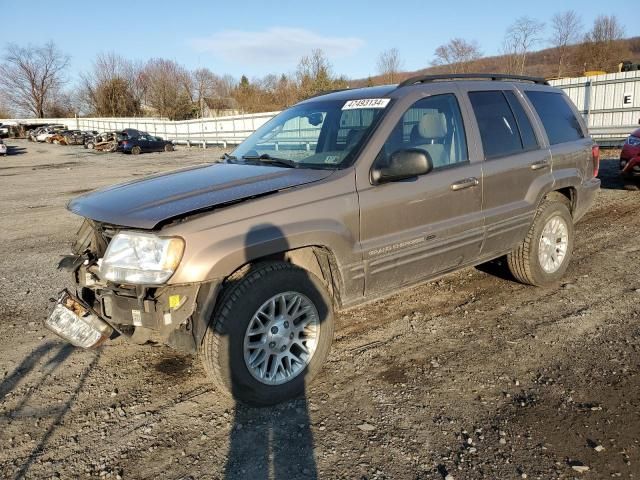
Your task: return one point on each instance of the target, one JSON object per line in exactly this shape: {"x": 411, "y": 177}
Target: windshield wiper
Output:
{"x": 266, "y": 158}
{"x": 226, "y": 156}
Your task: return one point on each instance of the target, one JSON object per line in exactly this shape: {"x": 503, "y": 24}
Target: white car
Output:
{"x": 42, "y": 136}
{"x": 3, "y": 148}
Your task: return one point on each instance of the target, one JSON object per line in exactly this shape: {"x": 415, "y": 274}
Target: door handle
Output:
{"x": 464, "y": 183}
{"x": 540, "y": 164}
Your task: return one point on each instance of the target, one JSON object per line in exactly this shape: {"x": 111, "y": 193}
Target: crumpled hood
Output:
{"x": 146, "y": 202}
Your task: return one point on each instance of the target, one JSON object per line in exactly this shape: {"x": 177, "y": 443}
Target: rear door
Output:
{"x": 158, "y": 144}
{"x": 516, "y": 166}
{"x": 414, "y": 229}
{"x": 569, "y": 143}
{"x": 144, "y": 143}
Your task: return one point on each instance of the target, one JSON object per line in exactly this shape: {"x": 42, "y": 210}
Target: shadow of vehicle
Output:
{"x": 13, "y": 150}
{"x": 609, "y": 174}
{"x": 497, "y": 268}
{"x": 274, "y": 441}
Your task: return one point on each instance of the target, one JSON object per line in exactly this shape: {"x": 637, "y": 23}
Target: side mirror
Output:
{"x": 403, "y": 164}
{"x": 315, "y": 118}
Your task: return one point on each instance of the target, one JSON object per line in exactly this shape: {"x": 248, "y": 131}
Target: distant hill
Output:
{"x": 540, "y": 63}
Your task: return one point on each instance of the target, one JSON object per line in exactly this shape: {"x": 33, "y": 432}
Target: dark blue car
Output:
{"x": 144, "y": 143}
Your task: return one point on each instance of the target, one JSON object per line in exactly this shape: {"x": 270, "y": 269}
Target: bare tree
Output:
{"x": 314, "y": 74}
{"x": 565, "y": 31}
{"x": 30, "y": 76}
{"x": 389, "y": 65}
{"x": 205, "y": 84}
{"x": 168, "y": 89}
{"x": 601, "y": 49}
{"x": 457, "y": 55}
{"x": 113, "y": 88}
{"x": 524, "y": 33}
{"x": 61, "y": 105}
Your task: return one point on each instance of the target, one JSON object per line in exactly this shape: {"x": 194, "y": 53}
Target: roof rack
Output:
{"x": 471, "y": 76}
{"x": 326, "y": 92}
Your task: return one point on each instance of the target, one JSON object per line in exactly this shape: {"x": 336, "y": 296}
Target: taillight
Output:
{"x": 124, "y": 142}
{"x": 595, "y": 154}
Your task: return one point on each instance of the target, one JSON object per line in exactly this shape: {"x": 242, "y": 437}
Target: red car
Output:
{"x": 630, "y": 159}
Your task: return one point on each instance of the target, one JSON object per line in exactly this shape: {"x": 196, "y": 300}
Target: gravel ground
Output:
{"x": 473, "y": 376}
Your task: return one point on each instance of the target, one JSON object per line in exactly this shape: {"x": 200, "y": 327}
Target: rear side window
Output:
{"x": 529, "y": 141}
{"x": 498, "y": 127}
{"x": 557, "y": 117}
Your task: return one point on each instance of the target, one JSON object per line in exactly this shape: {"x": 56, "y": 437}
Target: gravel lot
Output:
{"x": 473, "y": 376}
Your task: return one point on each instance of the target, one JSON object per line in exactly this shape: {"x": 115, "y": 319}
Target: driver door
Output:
{"x": 417, "y": 228}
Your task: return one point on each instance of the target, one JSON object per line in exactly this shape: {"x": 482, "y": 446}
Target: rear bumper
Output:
{"x": 586, "y": 196}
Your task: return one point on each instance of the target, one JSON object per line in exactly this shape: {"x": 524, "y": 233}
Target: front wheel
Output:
{"x": 543, "y": 257}
{"x": 136, "y": 150}
{"x": 271, "y": 334}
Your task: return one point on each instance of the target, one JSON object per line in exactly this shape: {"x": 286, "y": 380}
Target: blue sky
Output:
{"x": 259, "y": 37}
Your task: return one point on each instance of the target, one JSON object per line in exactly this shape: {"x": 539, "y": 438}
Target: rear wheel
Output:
{"x": 543, "y": 257}
{"x": 136, "y": 150}
{"x": 271, "y": 334}
{"x": 90, "y": 145}
{"x": 168, "y": 147}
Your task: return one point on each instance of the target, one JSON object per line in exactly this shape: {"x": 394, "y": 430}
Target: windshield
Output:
{"x": 322, "y": 134}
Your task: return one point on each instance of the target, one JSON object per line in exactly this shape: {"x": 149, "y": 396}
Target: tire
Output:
{"x": 136, "y": 150}
{"x": 168, "y": 147}
{"x": 90, "y": 145}
{"x": 525, "y": 261}
{"x": 223, "y": 350}
{"x": 631, "y": 185}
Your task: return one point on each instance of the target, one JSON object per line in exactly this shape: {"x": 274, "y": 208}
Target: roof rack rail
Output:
{"x": 326, "y": 92}
{"x": 471, "y": 76}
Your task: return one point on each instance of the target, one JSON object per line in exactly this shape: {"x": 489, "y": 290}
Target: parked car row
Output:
{"x": 128, "y": 140}
{"x": 59, "y": 135}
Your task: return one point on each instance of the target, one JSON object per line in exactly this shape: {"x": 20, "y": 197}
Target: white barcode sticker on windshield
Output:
{"x": 366, "y": 103}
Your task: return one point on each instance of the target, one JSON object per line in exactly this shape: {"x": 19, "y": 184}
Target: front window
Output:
{"x": 322, "y": 134}
{"x": 433, "y": 124}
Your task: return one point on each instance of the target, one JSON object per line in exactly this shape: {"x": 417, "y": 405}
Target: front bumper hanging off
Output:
{"x": 73, "y": 320}
{"x": 176, "y": 315}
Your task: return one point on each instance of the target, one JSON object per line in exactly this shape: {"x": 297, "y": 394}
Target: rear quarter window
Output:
{"x": 556, "y": 115}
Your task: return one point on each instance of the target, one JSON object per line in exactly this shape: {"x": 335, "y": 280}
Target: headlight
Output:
{"x": 141, "y": 258}
{"x": 633, "y": 141}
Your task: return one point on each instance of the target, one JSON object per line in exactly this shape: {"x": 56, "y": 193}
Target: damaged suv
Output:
{"x": 341, "y": 199}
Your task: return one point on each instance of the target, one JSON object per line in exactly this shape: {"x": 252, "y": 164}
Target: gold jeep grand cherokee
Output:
{"x": 339, "y": 200}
